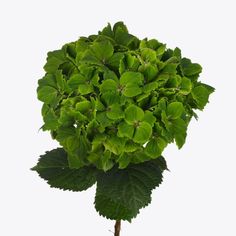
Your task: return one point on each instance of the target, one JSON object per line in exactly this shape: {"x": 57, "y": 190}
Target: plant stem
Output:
{"x": 117, "y": 228}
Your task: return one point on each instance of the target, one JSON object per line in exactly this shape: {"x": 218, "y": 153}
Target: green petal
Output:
{"x": 131, "y": 77}
{"x": 131, "y": 90}
{"x": 102, "y": 50}
{"x": 115, "y": 112}
{"x": 75, "y": 81}
{"x": 185, "y": 86}
{"x": 47, "y": 94}
{"x": 85, "y": 89}
{"x": 125, "y": 130}
{"x": 201, "y": 95}
{"x": 149, "y": 118}
{"x": 155, "y": 147}
{"x": 188, "y": 68}
{"x": 108, "y": 85}
{"x": 148, "y": 55}
{"x": 142, "y": 133}
{"x": 175, "y": 110}
{"x": 54, "y": 60}
{"x": 133, "y": 114}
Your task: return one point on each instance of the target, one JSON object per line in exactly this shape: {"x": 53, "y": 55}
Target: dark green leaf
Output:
{"x": 122, "y": 193}
{"x": 53, "y": 167}
{"x": 54, "y": 60}
{"x": 47, "y": 94}
{"x": 189, "y": 68}
{"x": 201, "y": 95}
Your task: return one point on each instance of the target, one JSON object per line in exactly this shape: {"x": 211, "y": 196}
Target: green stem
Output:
{"x": 117, "y": 228}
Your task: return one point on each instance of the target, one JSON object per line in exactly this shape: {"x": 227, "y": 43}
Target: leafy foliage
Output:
{"x": 114, "y": 103}
{"x": 53, "y": 167}
{"x": 122, "y": 193}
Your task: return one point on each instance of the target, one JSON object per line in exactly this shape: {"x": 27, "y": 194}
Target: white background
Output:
{"x": 197, "y": 198}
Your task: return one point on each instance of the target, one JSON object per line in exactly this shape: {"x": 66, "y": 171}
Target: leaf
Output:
{"x": 201, "y": 95}
{"x": 175, "y": 110}
{"x": 53, "y": 167}
{"x": 131, "y": 77}
{"x": 155, "y": 147}
{"x": 54, "y": 60}
{"x": 133, "y": 114}
{"x": 47, "y": 94}
{"x": 188, "y": 68}
{"x": 102, "y": 50}
{"x": 142, "y": 133}
{"x": 125, "y": 130}
{"x": 122, "y": 193}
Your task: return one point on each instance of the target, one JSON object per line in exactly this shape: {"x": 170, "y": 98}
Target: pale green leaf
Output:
{"x": 155, "y": 147}
{"x": 125, "y": 130}
{"x": 142, "y": 133}
{"x": 133, "y": 114}
{"x": 131, "y": 77}
{"x": 175, "y": 110}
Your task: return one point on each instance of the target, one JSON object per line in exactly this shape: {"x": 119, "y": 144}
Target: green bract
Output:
{"x": 114, "y": 103}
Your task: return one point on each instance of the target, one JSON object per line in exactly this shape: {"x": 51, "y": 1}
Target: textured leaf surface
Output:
{"x": 53, "y": 167}
{"x": 122, "y": 193}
